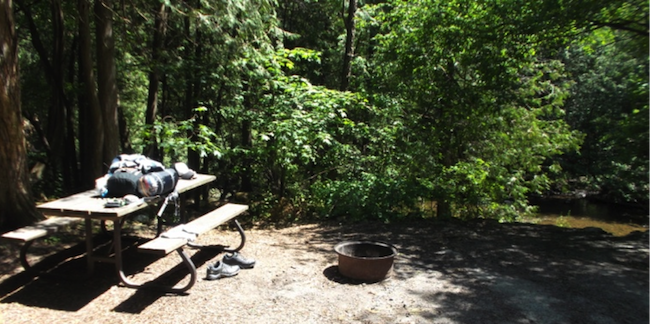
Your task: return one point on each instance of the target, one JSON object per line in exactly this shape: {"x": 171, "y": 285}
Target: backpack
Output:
{"x": 122, "y": 182}
{"x": 126, "y": 177}
{"x": 135, "y": 161}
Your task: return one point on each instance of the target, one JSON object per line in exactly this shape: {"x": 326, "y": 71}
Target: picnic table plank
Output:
{"x": 40, "y": 229}
{"x": 215, "y": 218}
{"x": 168, "y": 241}
{"x": 199, "y": 180}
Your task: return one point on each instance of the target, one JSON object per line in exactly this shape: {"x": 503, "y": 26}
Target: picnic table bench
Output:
{"x": 179, "y": 236}
{"x": 26, "y": 236}
{"x": 87, "y": 206}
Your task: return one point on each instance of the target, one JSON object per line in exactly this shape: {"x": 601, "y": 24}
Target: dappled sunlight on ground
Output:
{"x": 445, "y": 272}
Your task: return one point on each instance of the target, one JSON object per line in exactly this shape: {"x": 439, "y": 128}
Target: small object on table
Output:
{"x": 114, "y": 203}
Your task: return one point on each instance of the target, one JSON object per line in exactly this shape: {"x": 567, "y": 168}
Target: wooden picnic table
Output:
{"x": 90, "y": 206}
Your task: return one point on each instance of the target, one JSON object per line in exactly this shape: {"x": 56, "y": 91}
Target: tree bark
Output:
{"x": 70, "y": 160}
{"x": 247, "y": 144}
{"x": 16, "y": 201}
{"x": 193, "y": 88}
{"x": 125, "y": 134}
{"x": 346, "y": 72}
{"x": 60, "y": 136}
{"x": 449, "y": 145}
{"x": 106, "y": 78}
{"x": 91, "y": 126}
{"x": 60, "y": 144}
{"x": 160, "y": 29}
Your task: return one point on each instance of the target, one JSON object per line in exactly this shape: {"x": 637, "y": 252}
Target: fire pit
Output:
{"x": 365, "y": 260}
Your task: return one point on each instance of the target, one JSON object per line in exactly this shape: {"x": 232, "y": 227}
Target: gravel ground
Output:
{"x": 445, "y": 272}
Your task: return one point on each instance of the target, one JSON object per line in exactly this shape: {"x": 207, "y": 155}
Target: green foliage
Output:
{"x": 301, "y": 132}
{"x": 465, "y": 103}
{"x": 133, "y": 96}
{"x": 176, "y": 138}
{"x": 609, "y": 102}
{"x": 625, "y": 182}
{"x": 378, "y": 196}
{"x": 562, "y": 222}
{"x": 485, "y": 112}
{"x": 315, "y": 25}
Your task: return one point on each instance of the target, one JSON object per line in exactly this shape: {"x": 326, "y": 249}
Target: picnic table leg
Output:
{"x": 159, "y": 216}
{"x": 242, "y": 236}
{"x": 90, "y": 262}
{"x": 23, "y": 255}
{"x": 117, "y": 244}
{"x": 188, "y": 263}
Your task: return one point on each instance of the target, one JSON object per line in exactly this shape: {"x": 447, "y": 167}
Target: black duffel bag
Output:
{"x": 123, "y": 182}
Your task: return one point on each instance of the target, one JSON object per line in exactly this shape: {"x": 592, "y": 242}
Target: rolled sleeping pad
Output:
{"x": 158, "y": 183}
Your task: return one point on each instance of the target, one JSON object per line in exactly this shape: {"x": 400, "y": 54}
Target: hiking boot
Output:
{"x": 238, "y": 260}
{"x": 221, "y": 270}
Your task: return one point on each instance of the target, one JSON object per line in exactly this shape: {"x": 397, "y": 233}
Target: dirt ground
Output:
{"x": 445, "y": 272}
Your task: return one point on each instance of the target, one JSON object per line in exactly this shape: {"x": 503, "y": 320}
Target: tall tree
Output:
{"x": 16, "y": 201}
{"x": 160, "y": 29}
{"x": 193, "y": 87}
{"x": 482, "y": 112}
{"x": 629, "y": 16}
{"x": 107, "y": 77}
{"x": 60, "y": 133}
{"x": 349, "y": 44}
{"x": 315, "y": 25}
{"x": 91, "y": 126}
{"x": 609, "y": 103}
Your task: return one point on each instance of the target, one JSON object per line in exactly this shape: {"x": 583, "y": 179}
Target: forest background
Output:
{"x": 326, "y": 109}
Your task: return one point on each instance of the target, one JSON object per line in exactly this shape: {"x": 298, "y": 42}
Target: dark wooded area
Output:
{"x": 331, "y": 109}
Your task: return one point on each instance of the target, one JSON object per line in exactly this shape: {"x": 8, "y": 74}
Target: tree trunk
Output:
{"x": 106, "y": 78}
{"x": 193, "y": 88}
{"x": 160, "y": 29}
{"x": 70, "y": 157}
{"x": 91, "y": 127}
{"x": 60, "y": 144}
{"x": 16, "y": 201}
{"x": 125, "y": 134}
{"x": 346, "y": 72}
{"x": 247, "y": 144}
{"x": 58, "y": 115}
{"x": 449, "y": 144}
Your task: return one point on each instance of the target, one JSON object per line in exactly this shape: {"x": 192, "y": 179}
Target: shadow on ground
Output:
{"x": 511, "y": 273}
{"x": 60, "y": 281}
{"x": 445, "y": 272}
{"x": 145, "y": 297}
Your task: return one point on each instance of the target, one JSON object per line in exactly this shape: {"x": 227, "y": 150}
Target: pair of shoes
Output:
{"x": 221, "y": 270}
{"x": 237, "y": 259}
